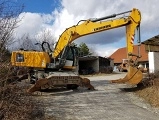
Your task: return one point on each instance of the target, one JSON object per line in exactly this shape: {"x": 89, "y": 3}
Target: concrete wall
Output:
{"x": 96, "y": 65}
{"x": 153, "y": 61}
{"x": 112, "y": 63}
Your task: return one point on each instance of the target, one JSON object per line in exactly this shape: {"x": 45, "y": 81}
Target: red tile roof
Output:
{"x": 121, "y": 54}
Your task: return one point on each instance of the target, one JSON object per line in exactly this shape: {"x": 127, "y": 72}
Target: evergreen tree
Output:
{"x": 83, "y": 49}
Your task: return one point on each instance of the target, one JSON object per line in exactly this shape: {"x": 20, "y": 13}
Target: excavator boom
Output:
{"x": 131, "y": 22}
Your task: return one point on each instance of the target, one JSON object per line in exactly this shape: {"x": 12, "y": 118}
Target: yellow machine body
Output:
{"x": 58, "y": 58}
{"x": 30, "y": 59}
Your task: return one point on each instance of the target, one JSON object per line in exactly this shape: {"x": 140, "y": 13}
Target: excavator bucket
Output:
{"x": 133, "y": 77}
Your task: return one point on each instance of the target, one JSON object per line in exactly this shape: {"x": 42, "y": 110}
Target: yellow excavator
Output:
{"x": 58, "y": 67}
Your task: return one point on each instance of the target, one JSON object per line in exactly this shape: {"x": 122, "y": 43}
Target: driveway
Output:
{"x": 107, "y": 102}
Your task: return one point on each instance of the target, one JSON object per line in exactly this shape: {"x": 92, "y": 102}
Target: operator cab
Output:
{"x": 66, "y": 60}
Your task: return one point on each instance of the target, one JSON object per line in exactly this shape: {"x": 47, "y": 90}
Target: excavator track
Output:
{"x": 60, "y": 80}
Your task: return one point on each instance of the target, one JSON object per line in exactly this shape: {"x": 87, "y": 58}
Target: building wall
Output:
{"x": 105, "y": 65}
{"x": 153, "y": 62}
{"x": 95, "y": 65}
{"x": 112, "y": 63}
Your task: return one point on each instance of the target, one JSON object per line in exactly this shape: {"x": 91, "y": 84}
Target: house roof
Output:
{"x": 152, "y": 41}
{"x": 121, "y": 54}
{"x": 152, "y": 44}
{"x": 86, "y": 58}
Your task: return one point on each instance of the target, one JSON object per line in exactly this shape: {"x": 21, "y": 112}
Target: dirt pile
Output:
{"x": 151, "y": 92}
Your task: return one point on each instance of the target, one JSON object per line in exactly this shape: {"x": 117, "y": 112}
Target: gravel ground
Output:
{"x": 107, "y": 102}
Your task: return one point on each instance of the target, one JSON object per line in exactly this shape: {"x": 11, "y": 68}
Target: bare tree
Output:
{"x": 15, "y": 104}
{"x": 26, "y": 42}
{"x": 92, "y": 51}
{"x": 46, "y": 36}
{"x": 42, "y": 42}
{"x": 9, "y": 12}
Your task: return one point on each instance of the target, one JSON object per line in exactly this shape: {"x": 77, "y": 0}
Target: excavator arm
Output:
{"x": 131, "y": 22}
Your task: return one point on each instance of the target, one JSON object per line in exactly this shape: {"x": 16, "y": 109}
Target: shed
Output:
{"x": 95, "y": 64}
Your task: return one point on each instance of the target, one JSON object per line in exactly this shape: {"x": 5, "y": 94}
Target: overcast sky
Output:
{"x": 57, "y": 15}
